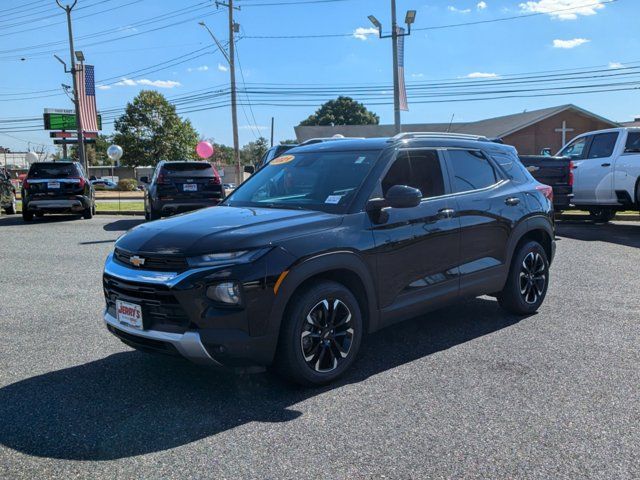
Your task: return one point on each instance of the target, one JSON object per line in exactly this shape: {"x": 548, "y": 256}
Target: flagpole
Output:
{"x": 396, "y": 72}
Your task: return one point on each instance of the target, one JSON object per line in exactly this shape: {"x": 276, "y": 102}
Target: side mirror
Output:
{"x": 249, "y": 169}
{"x": 403, "y": 196}
{"x": 144, "y": 179}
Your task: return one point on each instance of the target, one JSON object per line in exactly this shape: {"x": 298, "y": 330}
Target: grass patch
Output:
{"x": 109, "y": 206}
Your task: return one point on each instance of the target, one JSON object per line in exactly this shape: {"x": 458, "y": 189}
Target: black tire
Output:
{"x": 602, "y": 215}
{"x": 39, "y": 214}
{"x": 93, "y": 209}
{"x": 528, "y": 280}
{"x": 331, "y": 351}
{"x": 154, "y": 215}
{"x": 27, "y": 216}
{"x": 147, "y": 216}
{"x": 11, "y": 209}
{"x": 87, "y": 213}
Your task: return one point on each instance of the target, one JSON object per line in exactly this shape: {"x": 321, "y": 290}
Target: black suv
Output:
{"x": 178, "y": 187}
{"x": 329, "y": 242}
{"x": 57, "y": 187}
{"x": 7, "y": 193}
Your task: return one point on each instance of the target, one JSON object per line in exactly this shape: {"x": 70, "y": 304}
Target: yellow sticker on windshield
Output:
{"x": 283, "y": 159}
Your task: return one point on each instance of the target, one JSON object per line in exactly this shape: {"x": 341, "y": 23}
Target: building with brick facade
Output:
{"x": 530, "y": 132}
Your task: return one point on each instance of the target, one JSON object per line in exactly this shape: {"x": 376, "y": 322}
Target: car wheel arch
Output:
{"x": 344, "y": 267}
{"x": 536, "y": 228}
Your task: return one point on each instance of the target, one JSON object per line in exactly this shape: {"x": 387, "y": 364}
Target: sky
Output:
{"x": 158, "y": 44}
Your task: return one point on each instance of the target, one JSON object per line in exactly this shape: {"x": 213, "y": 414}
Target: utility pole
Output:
{"x": 272, "y": 125}
{"x": 231, "y": 58}
{"x": 81, "y": 153}
{"x": 395, "y": 34}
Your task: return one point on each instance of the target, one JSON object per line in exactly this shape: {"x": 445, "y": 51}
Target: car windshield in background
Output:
{"x": 325, "y": 181}
{"x": 53, "y": 170}
{"x": 188, "y": 169}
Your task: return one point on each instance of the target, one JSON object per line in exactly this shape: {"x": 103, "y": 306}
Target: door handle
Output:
{"x": 605, "y": 165}
{"x": 446, "y": 213}
{"x": 512, "y": 201}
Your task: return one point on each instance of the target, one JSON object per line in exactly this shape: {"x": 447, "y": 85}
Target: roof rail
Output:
{"x": 311, "y": 141}
{"x": 460, "y": 136}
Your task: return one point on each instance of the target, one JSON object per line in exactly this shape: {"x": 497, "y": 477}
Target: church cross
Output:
{"x": 564, "y": 131}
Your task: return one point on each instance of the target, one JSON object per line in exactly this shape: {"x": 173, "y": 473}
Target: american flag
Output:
{"x": 87, "y": 98}
{"x": 404, "y": 105}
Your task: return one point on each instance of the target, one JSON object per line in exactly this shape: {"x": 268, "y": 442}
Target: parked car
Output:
{"x": 329, "y": 243}
{"x": 104, "y": 184}
{"x": 7, "y": 193}
{"x": 57, "y": 187}
{"x": 178, "y": 187}
{"x": 557, "y": 172}
{"x": 606, "y": 171}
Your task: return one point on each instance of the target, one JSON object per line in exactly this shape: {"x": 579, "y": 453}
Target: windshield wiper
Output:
{"x": 282, "y": 206}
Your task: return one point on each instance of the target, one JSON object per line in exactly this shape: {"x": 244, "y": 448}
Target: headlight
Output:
{"x": 239, "y": 256}
{"x": 225, "y": 292}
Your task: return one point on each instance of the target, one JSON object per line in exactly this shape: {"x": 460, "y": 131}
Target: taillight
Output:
{"x": 547, "y": 191}
{"x": 25, "y": 184}
{"x": 571, "y": 168}
{"x": 82, "y": 182}
{"x": 162, "y": 180}
{"x": 215, "y": 181}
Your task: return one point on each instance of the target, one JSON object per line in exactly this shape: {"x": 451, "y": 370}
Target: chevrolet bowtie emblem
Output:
{"x": 136, "y": 261}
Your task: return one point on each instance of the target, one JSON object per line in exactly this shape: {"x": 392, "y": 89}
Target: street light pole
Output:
{"x": 395, "y": 35}
{"x": 396, "y": 74}
{"x": 81, "y": 152}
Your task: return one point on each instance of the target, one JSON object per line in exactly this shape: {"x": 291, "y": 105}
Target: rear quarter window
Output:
{"x": 513, "y": 167}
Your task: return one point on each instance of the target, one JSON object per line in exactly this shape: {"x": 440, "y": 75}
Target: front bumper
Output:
{"x": 187, "y": 344}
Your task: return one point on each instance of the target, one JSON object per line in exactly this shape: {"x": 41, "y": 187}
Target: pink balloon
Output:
{"x": 204, "y": 149}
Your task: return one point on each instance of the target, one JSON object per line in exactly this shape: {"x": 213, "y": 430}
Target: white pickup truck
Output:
{"x": 606, "y": 169}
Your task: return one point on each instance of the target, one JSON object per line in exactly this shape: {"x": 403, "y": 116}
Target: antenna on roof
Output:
{"x": 451, "y": 122}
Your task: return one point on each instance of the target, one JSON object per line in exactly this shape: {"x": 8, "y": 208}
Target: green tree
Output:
{"x": 222, "y": 154}
{"x": 342, "y": 111}
{"x": 150, "y": 130}
{"x": 289, "y": 141}
{"x": 253, "y": 151}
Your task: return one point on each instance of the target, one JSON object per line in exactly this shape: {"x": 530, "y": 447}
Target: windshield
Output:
{"x": 325, "y": 181}
{"x": 53, "y": 170}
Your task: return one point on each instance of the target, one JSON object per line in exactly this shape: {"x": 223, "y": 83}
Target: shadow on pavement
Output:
{"x": 12, "y": 220}
{"x": 618, "y": 233}
{"x": 123, "y": 225}
{"x": 132, "y": 403}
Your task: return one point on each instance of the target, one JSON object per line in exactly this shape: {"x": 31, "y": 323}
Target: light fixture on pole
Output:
{"x": 396, "y": 33}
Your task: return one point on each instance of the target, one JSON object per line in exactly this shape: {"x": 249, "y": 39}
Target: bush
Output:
{"x": 128, "y": 185}
{"x": 99, "y": 188}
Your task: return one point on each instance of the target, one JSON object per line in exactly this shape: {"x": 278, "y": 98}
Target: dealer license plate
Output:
{"x": 53, "y": 185}
{"x": 190, "y": 187}
{"x": 129, "y": 314}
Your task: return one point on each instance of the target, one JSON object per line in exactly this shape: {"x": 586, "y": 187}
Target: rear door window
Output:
{"x": 633, "y": 143}
{"x": 603, "y": 145}
{"x": 53, "y": 170}
{"x": 188, "y": 169}
{"x": 470, "y": 170}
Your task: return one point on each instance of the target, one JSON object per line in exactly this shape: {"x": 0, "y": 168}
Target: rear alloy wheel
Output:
{"x": 528, "y": 280}
{"x": 602, "y": 215}
{"x": 321, "y": 334}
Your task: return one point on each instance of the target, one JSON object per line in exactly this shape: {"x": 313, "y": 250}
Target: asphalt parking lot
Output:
{"x": 465, "y": 392}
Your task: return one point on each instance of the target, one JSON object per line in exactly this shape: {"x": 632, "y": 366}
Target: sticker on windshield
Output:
{"x": 360, "y": 160}
{"x": 333, "y": 199}
{"x": 283, "y": 159}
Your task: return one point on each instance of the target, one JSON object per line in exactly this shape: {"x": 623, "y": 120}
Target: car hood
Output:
{"x": 220, "y": 229}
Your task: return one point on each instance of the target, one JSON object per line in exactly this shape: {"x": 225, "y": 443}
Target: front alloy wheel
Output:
{"x": 327, "y": 335}
{"x": 320, "y": 335}
{"x": 533, "y": 278}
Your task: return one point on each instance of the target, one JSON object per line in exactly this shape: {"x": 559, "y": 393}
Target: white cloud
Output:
{"x": 563, "y": 9}
{"x": 417, "y": 75}
{"x": 457, "y": 10}
{"x": 616, "y": 65}
{"x": 576, "y": 42}
{"x": 481, "y": 5}
{"x": 223, "y": 68}
{"x": 363, "y": 33}
{"x": 127, "y": 82}
{"x": 252, "y": 127}
{"x": 202, "y": 68}
{"x": 104, "y": 87}
{"x": 482, "y": 75}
